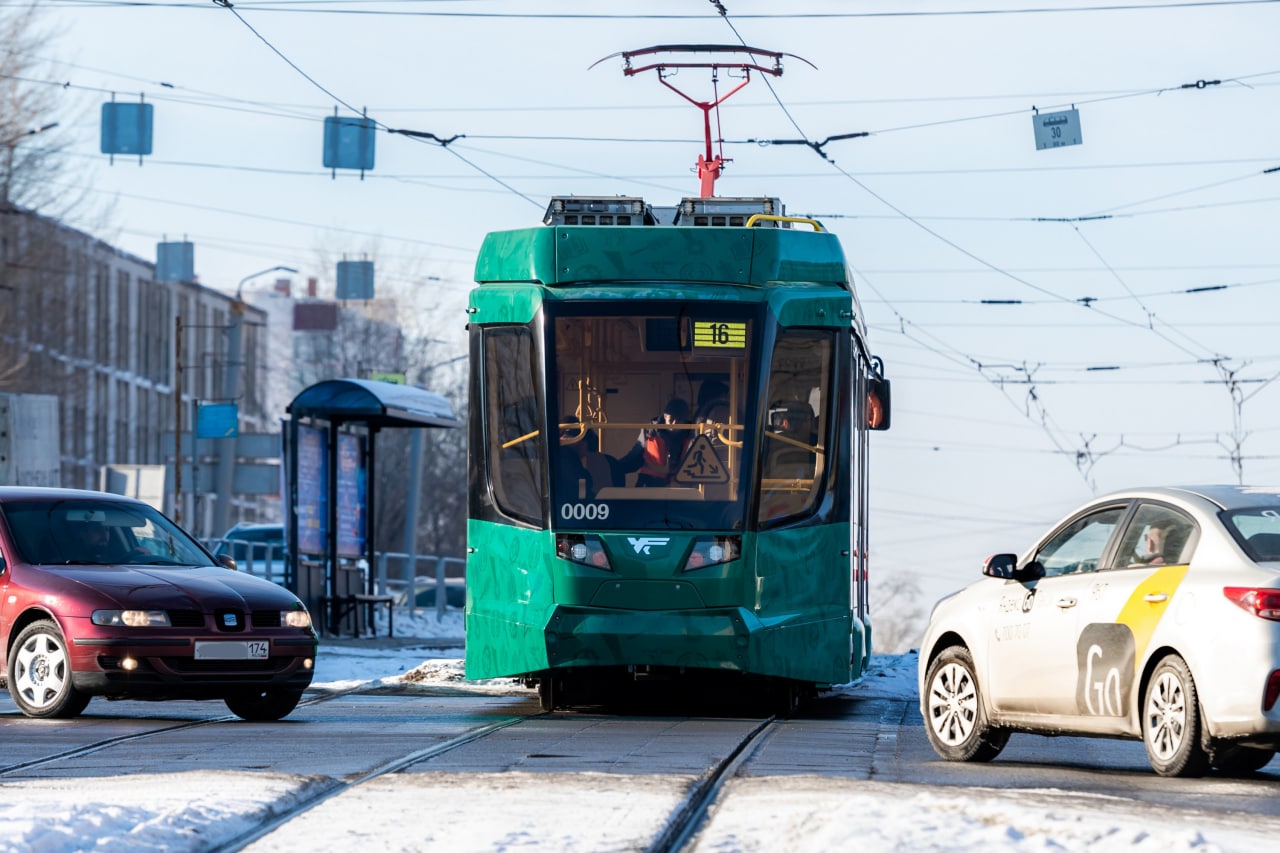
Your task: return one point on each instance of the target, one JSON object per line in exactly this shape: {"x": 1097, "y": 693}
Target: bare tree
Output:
{"x": 44, "y": 272}
{"x": 32, "y": 145}
{"x": 898, "y": 614}
{"x": 442, "y": 506}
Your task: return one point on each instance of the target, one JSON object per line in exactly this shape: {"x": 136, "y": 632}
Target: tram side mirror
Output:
{"x": 878, "y": 404}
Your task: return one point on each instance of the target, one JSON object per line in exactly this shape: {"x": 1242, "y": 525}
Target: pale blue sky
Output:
{"x": 941, "y": 207}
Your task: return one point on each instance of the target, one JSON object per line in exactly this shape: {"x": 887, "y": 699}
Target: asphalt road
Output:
{"x": 346, "y": 737}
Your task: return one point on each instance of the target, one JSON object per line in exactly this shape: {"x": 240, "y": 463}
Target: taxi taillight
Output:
{"x": 1272, "y": 692}
{"x": 1263, "y": 603}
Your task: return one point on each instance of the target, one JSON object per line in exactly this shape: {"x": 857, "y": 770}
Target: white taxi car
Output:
{"x": 1148, "y": 613}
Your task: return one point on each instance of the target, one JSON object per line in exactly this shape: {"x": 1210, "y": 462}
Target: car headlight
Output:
{"x": 295, "y": 618}
{"x": 132, "y": 618}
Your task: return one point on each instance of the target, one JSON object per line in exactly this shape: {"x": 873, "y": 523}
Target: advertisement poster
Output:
{"x": 311, "y": 490}
{"x": 351, "y": 496}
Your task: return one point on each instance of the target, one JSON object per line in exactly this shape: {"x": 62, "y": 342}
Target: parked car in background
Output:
{"x": 425, "y": 589}
{"x": 258, "y": 549}
{"x": 1149, "y": 613}
{"x": 102, "y": 595}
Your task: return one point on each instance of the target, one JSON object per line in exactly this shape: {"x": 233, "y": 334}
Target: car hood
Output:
{"x": 181, "y": 587}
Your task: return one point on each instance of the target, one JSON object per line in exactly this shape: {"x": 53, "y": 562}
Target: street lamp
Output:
{"x": 231, "y": 390}
{"x": 277, "y": 268}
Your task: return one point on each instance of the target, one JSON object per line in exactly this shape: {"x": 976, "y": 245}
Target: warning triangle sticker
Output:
{"x": 701, "y": 464}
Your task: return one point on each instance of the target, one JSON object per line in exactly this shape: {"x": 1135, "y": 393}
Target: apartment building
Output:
{"x": 127, "y": 356}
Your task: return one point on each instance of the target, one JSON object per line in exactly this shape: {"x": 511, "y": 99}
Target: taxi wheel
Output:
{"x": 1235, "y": 760}
{"x": 263, "y": 706}
{"x": 956, "y": 720}
{"x": 39, "y": 674}
{"x": 1171, "y": 721}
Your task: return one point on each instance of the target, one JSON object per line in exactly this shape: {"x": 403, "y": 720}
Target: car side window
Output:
{"x": 1078, "y": 547}
{"x": 1157, "y": 536}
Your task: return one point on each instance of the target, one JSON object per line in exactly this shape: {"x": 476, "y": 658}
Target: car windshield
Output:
{"x": 98, "y": 532}
{"x": 1257, "y": 529}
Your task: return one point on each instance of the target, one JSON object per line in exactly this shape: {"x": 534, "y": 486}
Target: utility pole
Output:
{"x": 177, "y": 419}
{"x": 231, "y": 391}
{"x": 225, "y": 484}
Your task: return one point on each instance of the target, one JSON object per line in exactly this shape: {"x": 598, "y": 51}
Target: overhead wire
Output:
{"x": 1151, "y": 315}
{"x": 423, "y": 136}
{"x": 1085, "y": 456}
{"x": 506, "y": 186}
{"x": 294, "y": 112}
{"x": 286, "y": 6}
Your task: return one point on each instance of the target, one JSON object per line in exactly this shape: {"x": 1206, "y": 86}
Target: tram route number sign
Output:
{"x": 710, "y": 334}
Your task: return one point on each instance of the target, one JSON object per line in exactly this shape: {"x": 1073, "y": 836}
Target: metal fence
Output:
{"x": 418, "y": 582}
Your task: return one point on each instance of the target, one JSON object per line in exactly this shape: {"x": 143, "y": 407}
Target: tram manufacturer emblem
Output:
{"x": 642, "y": 544}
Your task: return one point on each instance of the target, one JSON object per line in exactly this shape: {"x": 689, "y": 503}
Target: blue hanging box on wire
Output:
{"x": 126, "y": 128}
{"x": 176, "y": 261}
{"x": 355, "y": 280}
{"x": 348, "y": 142}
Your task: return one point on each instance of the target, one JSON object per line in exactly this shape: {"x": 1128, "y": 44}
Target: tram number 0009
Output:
{"x": 578, "y": 512}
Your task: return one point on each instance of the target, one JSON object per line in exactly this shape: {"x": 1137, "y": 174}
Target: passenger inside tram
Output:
{"x": 581, "y": 460}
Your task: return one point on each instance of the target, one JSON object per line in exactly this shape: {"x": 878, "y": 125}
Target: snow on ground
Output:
{"x": 571, "y": 812}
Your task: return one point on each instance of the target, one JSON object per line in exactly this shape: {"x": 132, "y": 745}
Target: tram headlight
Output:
{"x": 713, "y": 550}
{"x": 579, "y": 548}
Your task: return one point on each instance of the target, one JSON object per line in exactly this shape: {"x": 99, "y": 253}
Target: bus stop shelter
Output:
{"x": 330, "y": 469}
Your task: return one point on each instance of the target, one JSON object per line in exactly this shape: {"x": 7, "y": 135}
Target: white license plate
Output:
{"x": 233, "y": 650}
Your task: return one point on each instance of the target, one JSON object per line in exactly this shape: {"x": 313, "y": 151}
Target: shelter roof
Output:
{"x": 373, "y": 402}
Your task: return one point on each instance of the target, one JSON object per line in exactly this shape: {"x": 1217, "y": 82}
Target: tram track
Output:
{"x": 337, "y": 786}
{"x": 689, "y": 816}
{"x": 107, "y": 743}
{"x": 677, "y": 833}
{"x": 671, "y": 828}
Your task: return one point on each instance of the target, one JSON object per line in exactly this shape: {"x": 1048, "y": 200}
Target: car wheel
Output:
{"x": 40, "y": 674}
{"x": 1171, "y": 721}
{"x": 264, "y": 705}
{"x": 1240, "y": 760}
{"x": 957, "y": 722}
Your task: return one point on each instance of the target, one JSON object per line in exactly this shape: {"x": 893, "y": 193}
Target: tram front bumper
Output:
{"x": 704, "y": 640}
{"x": 732, "y": 639}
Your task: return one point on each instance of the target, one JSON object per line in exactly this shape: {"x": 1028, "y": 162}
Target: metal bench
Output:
{"x": 339, "y": 607}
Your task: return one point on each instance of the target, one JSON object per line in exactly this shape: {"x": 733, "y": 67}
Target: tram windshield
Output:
{"x": 649, "y": 406}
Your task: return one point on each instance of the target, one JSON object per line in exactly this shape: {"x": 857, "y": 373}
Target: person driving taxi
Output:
{"x": 1161, "y": 544}
{"x": 1150, "y": 549}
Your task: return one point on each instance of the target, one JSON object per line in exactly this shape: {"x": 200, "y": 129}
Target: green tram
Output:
{"x": 668, "y": 452}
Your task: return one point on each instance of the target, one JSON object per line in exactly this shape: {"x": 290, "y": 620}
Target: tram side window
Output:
{"x": 517, "y": 448}
{"x": 793, "y": 460}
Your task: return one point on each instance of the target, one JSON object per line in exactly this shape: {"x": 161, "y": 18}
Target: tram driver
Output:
{"x": 657, "y": 452}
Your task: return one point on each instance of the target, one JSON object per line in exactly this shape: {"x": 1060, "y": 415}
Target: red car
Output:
{"x": 102, "y": 595}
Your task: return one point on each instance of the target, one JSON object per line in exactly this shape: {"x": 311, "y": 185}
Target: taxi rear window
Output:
{"x": 1257, "y": 529}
